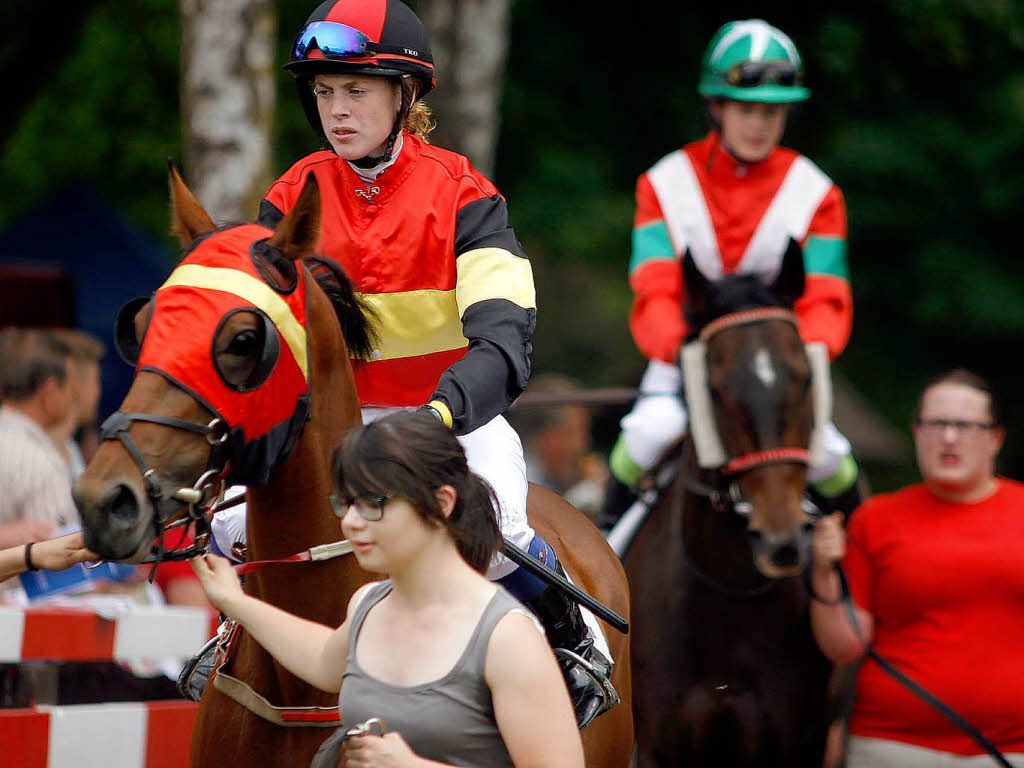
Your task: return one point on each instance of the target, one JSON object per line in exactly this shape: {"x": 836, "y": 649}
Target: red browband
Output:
{"x": 771, "y": 456}
{"x": 745, "y": 317}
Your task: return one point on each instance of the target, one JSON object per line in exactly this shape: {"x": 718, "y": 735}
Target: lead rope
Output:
{"x": 846, "y": 598}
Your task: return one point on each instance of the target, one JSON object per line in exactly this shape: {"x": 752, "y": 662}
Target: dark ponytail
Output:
{"x": 411, "y": 454}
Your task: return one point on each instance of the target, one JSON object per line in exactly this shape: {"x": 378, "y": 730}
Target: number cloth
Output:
{"x": 945, "y": 585}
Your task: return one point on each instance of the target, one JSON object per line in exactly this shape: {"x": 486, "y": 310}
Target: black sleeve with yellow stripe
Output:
{"x": 498, "y": 305}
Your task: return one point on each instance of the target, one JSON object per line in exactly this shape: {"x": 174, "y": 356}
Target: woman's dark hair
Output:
{"x": 411, "y": 454}
{"x": 968, "y": 379}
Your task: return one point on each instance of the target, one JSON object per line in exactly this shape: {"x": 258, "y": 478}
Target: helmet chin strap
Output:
{"x": 371, "y": 160}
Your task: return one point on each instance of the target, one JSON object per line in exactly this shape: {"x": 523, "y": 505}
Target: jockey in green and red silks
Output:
{"x": 426, "y": 241}
{"x": 733, "y": 200}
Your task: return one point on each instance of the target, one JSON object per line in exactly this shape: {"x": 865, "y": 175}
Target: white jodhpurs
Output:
{"x": 659, "y": 419}
{"x": 493, "y": 451}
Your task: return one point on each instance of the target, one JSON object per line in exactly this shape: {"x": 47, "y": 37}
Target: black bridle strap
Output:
{"x": 916, "y": 688}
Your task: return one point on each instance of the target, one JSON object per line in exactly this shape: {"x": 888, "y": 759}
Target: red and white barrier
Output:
{"x": 71, "y": 634}
{"x": 153, "y": 734}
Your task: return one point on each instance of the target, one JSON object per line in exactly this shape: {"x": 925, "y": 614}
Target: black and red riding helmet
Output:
{"x": 365, "y": 37}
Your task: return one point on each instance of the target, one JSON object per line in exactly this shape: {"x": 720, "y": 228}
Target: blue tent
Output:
{"x": 108, "y": 261}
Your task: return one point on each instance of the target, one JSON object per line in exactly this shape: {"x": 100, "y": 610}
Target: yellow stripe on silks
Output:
{"x": 254, "y": 291}
{"x": 494, "y": 273}
{"x": 411, "y": 323}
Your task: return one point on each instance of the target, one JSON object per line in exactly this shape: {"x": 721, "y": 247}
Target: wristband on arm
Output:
{"x": 28, "y": 557}
{"x": 439, "y": 409}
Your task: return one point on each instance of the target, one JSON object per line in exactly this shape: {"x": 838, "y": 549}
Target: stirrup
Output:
{"x": 595, "y": 694}
{"x": 196, "y": 673}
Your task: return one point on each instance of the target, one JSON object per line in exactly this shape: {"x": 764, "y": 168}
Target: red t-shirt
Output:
{"x": 945, "y": 585}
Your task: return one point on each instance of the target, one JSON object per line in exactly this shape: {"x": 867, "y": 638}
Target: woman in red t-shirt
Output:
{"x": 936, "y": 572}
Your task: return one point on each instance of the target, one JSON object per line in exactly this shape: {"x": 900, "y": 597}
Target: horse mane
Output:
{"x": 354, "y": 314}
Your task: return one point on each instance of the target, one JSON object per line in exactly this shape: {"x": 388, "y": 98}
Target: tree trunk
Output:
{"x": 469, "y": 40}
{"x": 228, "y": 103}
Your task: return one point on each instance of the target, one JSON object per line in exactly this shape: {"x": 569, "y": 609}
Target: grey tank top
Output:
{"x": 451, "y": 719}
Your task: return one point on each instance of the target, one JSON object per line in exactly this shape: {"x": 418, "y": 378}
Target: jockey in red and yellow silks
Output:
{"x": 733, "y": 200}
{"x": 426, "y": 242}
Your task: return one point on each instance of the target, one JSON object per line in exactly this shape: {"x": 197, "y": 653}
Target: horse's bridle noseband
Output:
{"x": 204, "y": 492}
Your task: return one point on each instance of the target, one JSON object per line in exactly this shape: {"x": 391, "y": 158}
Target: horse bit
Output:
{"x": 197, "y": 499}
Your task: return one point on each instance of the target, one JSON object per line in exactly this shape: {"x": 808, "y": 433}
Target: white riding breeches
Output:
{"x": 659, "y": 418}
{"x": 493, "y": 451}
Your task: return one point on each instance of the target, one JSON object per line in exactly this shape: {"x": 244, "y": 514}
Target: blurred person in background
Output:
{"x": 84, "y": 379}
{"x": 733, "y": 201}
{"x": 936, "y": 576}
{"x": 35, "y": 489}
{"x": 557, "y": 445}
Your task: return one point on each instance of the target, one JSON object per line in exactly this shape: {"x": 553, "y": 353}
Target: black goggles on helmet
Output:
{"x": 751, "y": 73}
{"x": 340, "y": 41}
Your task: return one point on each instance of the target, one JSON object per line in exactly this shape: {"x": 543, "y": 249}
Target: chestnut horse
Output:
{"x": 127, "y": 493}
{"x": 727, "y": 671}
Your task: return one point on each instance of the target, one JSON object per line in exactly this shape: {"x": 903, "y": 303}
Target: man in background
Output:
{"x": 35, "y": 490}
{"x": 557, "y": 444}
{"x": 84, "y": 381}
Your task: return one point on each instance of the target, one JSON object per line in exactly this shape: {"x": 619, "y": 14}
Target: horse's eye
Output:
{"x": 716, "y": 395}
{"x": 246, "y": 351}
{"x": 244, "y": 344}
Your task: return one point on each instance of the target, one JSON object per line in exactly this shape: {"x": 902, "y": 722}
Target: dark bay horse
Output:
{"x": 172, "y": 440}
{"x": 727, "y": 671}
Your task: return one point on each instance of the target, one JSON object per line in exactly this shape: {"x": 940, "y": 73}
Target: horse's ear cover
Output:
{"x": 125, "y": 341}
{"x": 707, "y": 441}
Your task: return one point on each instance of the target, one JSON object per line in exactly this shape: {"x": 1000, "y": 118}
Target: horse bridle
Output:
{"x": 731, "y": 498}
{"x": 196, "y": 499}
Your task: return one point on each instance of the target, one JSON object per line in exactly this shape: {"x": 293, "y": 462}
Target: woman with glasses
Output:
{"x": 458, "y": 670}
{"x": 936, "y": 575}
{"x": 732, "y": 201}
{"x": 426, "y": 240}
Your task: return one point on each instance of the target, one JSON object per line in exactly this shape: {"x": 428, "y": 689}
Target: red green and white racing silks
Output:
{"x": 736, "y": 218}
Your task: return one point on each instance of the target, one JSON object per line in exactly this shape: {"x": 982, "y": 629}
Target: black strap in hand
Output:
{"x": 918, "y": 690}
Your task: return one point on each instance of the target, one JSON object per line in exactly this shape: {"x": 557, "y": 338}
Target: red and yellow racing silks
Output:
{"x": 216, "y": 279}
{"x": 736, "y": 218}
{"x": 429, "y": 247}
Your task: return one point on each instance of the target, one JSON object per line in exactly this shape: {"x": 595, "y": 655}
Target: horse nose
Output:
{"x": 120, "y": 506}
{"x": 112, "y": 519}
{"x": 786, "y": 555}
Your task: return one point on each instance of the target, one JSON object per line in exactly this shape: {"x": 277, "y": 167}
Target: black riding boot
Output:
{"x": 844, "y": 502}
{"x": 586, "y": 670}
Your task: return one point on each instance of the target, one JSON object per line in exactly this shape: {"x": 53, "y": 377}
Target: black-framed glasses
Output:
{"x": 747, "y": 74}
{"x": 961, "y": 426}
{"x": 369, "y": 506}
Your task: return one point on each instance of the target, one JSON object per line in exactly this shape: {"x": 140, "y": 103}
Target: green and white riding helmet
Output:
{"x": 752, "y": 61}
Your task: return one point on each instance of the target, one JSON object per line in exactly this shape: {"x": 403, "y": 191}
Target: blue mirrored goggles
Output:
{"x": 333, "y": 40}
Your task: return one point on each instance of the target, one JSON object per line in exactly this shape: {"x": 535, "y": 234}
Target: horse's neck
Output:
{"x": 289, "y": 515}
